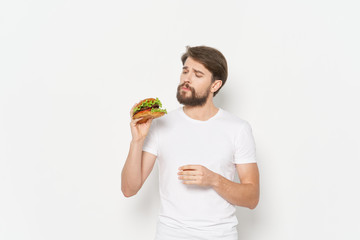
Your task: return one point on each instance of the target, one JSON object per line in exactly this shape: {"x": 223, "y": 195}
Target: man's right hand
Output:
{"x": 139, "y": 131}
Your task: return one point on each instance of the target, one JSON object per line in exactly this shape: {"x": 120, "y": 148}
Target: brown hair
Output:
{"x": 212, "y": 59}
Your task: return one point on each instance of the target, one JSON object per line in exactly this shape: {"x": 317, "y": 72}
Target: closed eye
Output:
{"x": 198, "y": 73}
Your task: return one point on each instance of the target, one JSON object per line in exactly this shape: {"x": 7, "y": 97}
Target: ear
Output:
{"x": 216, "y": 85}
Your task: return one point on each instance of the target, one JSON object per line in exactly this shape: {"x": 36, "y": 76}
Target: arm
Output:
{"x": 137, "y": 168}
{"x": 138, "y": 164}
{"x": 245, "y": 193}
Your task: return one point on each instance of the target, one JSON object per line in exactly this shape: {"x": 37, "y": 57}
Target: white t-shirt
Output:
{"x": 218, "y": 144}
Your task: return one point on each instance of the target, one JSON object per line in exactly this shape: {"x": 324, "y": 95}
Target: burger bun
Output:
{"x": 146, "y": 115}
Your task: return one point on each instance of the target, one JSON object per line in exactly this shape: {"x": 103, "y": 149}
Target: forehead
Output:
{"x": 191, "y": 63}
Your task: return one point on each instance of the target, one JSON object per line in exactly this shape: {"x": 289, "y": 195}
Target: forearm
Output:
{"x": 239, "y": 194}
{"x": 131, "y": 173}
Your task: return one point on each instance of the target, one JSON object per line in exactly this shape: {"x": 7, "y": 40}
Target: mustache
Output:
{"x": 185, "y": 85}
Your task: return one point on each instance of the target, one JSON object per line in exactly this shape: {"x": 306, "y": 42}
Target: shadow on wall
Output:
{"x": 221, "y": 100}
{"x": 247, "y": 218}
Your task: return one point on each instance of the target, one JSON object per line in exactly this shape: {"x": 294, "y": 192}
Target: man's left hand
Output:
{"x": 197, "y": 175}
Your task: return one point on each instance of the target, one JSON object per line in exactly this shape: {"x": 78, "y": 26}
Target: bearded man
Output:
{"x": 199, "y": 148}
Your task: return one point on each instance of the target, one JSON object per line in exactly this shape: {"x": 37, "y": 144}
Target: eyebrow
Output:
{"x": 195, "y": 70}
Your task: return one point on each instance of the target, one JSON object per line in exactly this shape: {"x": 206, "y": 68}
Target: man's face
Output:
{"x": 195, "y": 84}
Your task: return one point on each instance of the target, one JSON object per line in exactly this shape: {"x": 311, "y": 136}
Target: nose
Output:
{"x": 187, "y": 78}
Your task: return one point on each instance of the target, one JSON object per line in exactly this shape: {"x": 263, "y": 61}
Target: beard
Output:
{"x": 194, "y": 99}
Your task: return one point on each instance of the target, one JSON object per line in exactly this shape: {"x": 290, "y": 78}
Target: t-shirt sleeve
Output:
{"x": 151, "y": 143}
{"x": 245, "y": 151}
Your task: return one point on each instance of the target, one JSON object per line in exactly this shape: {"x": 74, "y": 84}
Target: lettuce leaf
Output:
{"x": 149, "y": 103}
{"x": 158, "y": 110}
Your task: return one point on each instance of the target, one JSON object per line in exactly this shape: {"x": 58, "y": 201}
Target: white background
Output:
{"x": 71, "y": 70}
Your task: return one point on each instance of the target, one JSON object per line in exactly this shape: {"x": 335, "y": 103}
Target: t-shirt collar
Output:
{"x": 200, "y": 121}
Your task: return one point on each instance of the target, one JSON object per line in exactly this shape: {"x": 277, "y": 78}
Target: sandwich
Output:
{"x": 148, "y": 108}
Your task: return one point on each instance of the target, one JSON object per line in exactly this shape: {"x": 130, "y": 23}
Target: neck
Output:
{"x": 202, "y": 113}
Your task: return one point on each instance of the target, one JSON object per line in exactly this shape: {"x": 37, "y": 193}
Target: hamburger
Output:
{"x": 147, "y": 109}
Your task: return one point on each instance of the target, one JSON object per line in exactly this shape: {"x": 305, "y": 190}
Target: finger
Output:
{"x": 189, "y": 167}
{"x": 191, "y": 173}
{"x": 134, "y": 122}
{"x": 149, "y": 121}
{"x": 189, "y": 178}
{"x": 194, "y": 182}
